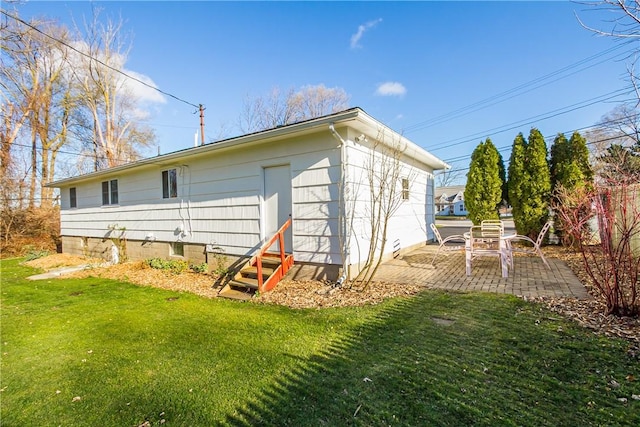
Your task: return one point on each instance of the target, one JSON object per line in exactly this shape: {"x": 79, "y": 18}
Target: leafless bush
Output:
{"x": 604, "y": 223}
{"x": 27, "y": 229}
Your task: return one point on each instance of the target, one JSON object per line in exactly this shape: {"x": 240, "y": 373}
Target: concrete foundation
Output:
{"x": 135, "y": 250}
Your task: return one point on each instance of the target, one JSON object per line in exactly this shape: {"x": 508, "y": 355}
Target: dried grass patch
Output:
{"x": 315, "y": 294}
{"x": 61, "y": 260}
{"x": 139, "y": 273}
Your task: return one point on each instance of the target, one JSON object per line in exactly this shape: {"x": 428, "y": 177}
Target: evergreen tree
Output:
{"x": 503, "y": 178}
{"x": 560, "y": 157}
{"x": 569, "y": 164}
{"x": 537, "y": 212}
{"x": 578, "y": 147}
{"x": 483, "y": 192}
{"x": 531, "y": 187}
{"x": 570, "y": 170}
{"x": 517, "y": 179}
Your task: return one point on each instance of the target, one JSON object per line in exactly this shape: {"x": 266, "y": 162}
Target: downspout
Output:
{"x": 344, "y": 253}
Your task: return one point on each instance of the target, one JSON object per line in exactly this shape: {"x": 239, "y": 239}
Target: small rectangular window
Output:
{"x": 177, "y": 249}
{"x": 105, "y": 193}
{"x": 114, "y": 191}
{"x": 405, "y": 189}
{"x": 110, "y": 192}
{"x": 73, "y": 201}
{"x": 169, "y": 184}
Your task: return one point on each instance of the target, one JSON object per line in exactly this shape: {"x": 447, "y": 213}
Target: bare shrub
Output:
{"x": 23, "y": 230}
{"x": 604, "y": 224}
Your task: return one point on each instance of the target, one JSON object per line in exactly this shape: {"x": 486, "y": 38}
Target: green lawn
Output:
{"x": 94, "y": 352}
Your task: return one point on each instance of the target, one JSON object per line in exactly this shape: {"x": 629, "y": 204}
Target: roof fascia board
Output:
{"x": 371, "y": 126}
{"x": 244, "y": 140}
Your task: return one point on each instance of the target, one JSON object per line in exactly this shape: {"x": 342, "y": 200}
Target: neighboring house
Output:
{"x": 231, "y": 195}
{"x": 450, "y": 201}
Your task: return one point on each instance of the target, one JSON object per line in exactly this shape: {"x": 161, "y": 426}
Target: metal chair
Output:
{"x": 486, "y": 241}
{"x": 456, "y": 238}
{"x": 536, "y": 244}
{"x": 492, "y": 223}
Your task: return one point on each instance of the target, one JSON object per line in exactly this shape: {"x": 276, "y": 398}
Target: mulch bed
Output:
{"x": 317, "y": 294}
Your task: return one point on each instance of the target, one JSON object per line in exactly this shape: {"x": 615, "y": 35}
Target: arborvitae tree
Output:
{"x": 483, "y": 192}
{"x": 531, "y": 187}
{"x": 503, "y": 177}
{"x": 517, "y": 180}
{"x": 539, "y": 184}
{"x": 580, "y": 155}
{"x": 570, "y": 170}
{"x": 569, "y": 164}
{"x": 560, "y": 157}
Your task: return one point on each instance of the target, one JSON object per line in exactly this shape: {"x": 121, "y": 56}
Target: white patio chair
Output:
{"x": 492, "y": 223}
{"x": 536, "y": 244}
{"x": 489, "y": 241}
{"x": 456, "y": 238}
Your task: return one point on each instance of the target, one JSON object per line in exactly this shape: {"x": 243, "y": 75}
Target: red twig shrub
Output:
{"x": 604, "y": 224}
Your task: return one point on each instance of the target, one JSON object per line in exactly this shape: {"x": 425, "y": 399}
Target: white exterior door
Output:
{"x": 277, "y": 203}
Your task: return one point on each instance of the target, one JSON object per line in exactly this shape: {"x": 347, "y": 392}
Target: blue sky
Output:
{"x": 423, "y": 68}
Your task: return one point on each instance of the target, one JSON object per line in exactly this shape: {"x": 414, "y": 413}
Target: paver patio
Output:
{"x": 528, "y": 278}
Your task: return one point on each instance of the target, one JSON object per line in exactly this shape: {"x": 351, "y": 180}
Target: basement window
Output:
{"x": 177, "y": 249}
{"x": 110, "y": 192}
{"x": 169, "y": 184}
{"x": 405, "y": 189}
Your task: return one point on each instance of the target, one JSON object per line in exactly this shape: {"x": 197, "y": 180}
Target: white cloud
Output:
{"x": 144, "y": 92}
{"x": 391, "y": 89}
{"x": 355, "y": 39}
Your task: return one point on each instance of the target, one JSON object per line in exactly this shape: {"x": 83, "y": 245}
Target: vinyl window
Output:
{"x": 110, "y": 192}
{"x": 405, "y": 189}
{"x": 169, "y": 184}
{"x": 73, "y": 201}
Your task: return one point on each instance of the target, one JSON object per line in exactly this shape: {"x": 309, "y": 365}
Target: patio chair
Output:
{"x": 456, "y": 238}
{"x": 536, "y": 244}
{"x": 492, "y": 223}
{"x": 482, "y": 242}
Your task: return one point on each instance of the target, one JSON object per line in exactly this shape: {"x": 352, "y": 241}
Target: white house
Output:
{"x": 450, "y": 201}
{"x": 231, "y": 195}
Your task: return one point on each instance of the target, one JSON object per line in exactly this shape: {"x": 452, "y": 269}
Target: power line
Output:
{"x": 506, "y": 148}
{"x": 503, "y": 96}
{"x": 74, "y": 153}
{"x": 98, "y": 61}
{"x": 533, "y": 119}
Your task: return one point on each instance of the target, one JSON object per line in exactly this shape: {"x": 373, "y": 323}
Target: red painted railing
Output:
{"x": 286, "y": 261}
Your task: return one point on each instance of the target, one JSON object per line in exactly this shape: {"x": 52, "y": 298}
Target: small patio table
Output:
{"x": 476, "y": 235}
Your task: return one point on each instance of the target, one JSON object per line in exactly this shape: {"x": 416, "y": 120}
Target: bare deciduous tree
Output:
{"x": 117, "y": 137}
{"x": 616, "y": 143}
{"x": 449, "y": 177}
{"x": 20, "y": 84}
{"x": 383, "y": 171}
{"x": 280, "y": 108}
{"x": 623, "y": 23}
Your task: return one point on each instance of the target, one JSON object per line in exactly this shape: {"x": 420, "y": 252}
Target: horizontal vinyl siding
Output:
{"x": 219, "y": 200}
{"x": 409, "y": 223}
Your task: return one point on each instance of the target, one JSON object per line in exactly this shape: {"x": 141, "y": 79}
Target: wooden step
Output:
{"x": 240, "y": 294}
{"x": 244, "y": 282}
{"x": 270, "y": 260}
{"x": 252, "y": 272}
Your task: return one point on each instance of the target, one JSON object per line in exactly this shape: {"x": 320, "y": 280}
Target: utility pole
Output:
{"x": 201, "y": 124}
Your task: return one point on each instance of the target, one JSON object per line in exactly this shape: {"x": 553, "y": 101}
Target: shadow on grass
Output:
{"x": 495, "y": 361}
